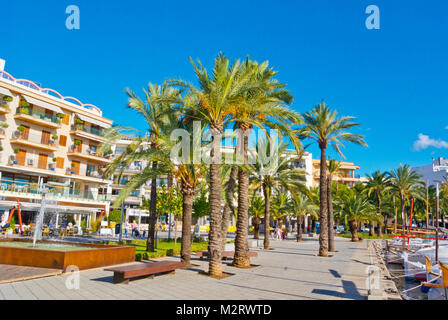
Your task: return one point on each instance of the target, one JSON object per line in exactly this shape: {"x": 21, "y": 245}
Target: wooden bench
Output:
{"x": 225, "y": 254}
{"x": 122, "y": 274}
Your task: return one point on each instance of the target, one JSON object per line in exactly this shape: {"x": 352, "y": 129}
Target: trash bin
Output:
{"x": 117, "y": 228}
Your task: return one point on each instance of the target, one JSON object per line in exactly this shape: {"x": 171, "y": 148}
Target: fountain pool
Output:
{"x": 61, "y": 254}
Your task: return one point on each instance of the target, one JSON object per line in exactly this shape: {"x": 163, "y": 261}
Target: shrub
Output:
{"x": 4, "y": 125}
{"x": 145, "y": 256}
{"x": 1, "y": 148}
{"x": 24, "y": 104}
{"x": 77, "y": 142}
{"x": 73, "y": 165}
{"x": 95, "y": 225}
{"x": 7, "y": 98}
{"x": 54, "y": 137}
{"x": 115, "y": 216}
{"x": 12, "y": 223}
{"x": 55, "y": 159}
{"x": 16, "y": 151}
{"x": 138, "y": 257}
{"x": 79, "y": 121}
{"x": 21, "y": 128}
{"x": 60, "y": 115}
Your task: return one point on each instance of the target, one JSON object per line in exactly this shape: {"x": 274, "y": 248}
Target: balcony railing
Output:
{"x": 34, "y": 138}
{"x": 91, "y": 130}
{"x": 52, "y": 191}
{"x": 38, "y": 114}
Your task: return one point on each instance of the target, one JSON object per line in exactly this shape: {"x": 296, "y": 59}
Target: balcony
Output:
{"x": 77, "y": 152}
{"x": 33, "y": 141}
{"x": 37, "y": 117}
{"x": 39, "y": 165}
{"x": 4, "y": 107}
{"x": 91, "y": 133}
{"x": 33, "y": 190}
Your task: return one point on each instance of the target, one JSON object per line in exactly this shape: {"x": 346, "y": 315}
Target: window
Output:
{"x": 20, "y": 157}
{"x": 60, "y": 163}
{"x": 42, "y": 164}
{"x": 75, "y": 167}
{"x": 78, "y": 146}
{"x": 89, "y": 170}
{"x": 66, "y": 119}
{"x": 62, "y": 141}
{"x": 25, "y": 133}
{"x": 45, "y": 138}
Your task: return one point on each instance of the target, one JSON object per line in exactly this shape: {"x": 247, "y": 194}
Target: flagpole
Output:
{"x": 437, "y": 223}
{"x": 427, "y": 204}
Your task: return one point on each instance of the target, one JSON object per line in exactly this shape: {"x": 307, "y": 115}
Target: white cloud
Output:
{"x": 425, "y": 141}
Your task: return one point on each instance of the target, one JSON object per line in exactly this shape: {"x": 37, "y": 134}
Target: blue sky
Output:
{"x": 393, "y": 79}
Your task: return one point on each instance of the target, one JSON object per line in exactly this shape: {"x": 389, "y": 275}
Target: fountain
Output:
{"x": 40, "y": 217}
{"x": 60, "y": 254}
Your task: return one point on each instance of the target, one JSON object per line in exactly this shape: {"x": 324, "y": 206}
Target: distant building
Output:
{"x": 434, "y": 172}
{"x": 345, "y": 174}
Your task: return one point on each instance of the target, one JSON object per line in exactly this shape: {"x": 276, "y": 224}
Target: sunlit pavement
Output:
{"x": 290, "y": 271}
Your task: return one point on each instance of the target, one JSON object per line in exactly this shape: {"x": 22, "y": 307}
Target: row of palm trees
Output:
{"x": 240, "y": 95}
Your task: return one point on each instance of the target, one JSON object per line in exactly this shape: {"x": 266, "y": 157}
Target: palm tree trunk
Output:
{"x": 152, "y": 212}
{"x": 331, "y": 247}
{"x": 313, "y": 225}
{"x": 241, "y": 258}
{"x": 299, "y": 227}
{"x": 215, "y": 197}
{"x": 371, "y": 228}
{"x": 228, "y": 208}
{"x": 187, "y": 212}
{"x": 257, "y": 229}
{"x": 323, "y": 234}
{"x": 267, "y": 218}
{"x": 354, "y": 230}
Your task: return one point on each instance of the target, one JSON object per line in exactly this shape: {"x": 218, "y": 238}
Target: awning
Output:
{"x": 96, "y": 122}
{"x": 5, "y": 92}
{"x": 43, "y": 104}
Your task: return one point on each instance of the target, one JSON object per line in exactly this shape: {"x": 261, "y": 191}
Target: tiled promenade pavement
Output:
{"x": 290, "y": 271}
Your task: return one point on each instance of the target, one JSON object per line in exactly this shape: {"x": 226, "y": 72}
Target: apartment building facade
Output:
{"x": 345, "y": 174}
{"x": 50, "y": 141}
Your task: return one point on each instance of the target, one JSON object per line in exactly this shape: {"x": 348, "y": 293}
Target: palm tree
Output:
{"x": 357, "y": 208}
{"x": 404, "y": 183}
{"x": 157, "y": 110}
{"x": 378, "y": 185}
{"x": 275, "y": 176}
{"x": 300, "y": 205}
{"x": 215, "y": 102}
{"x": 333, "y": 167}
{"x": 256, "y": 210}
{"x": 324, "y": 127}
{"x": 262, "y": 104}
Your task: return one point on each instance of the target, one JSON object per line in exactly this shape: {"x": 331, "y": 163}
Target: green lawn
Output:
{"x": 164, "y": 248}
{"x": 361, "y": 235}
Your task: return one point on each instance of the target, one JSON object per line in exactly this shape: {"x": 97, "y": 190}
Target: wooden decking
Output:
{"x": 11, "y": 273}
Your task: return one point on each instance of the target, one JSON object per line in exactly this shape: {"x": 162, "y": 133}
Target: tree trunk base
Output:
{"x": 241, "y": 262}
{"x": 323, "y": 254}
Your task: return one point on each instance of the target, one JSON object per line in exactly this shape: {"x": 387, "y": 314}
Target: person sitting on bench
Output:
{"x": 3, "y": 223}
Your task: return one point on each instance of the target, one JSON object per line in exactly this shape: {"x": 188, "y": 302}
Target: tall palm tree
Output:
{"x": 275, "y": 176}
{"x": 161, "y": 119}
{"x": 333, "y": 167}
{"x": 323, "y": 125}
{"x": 378, "y": 184}
{"x": 256, "y": 210}
{"x": 215, "y": 101}
{"x": 405, "y": 184}
{"x": 300, "y": 205}
{"x": 264, "y": 106}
